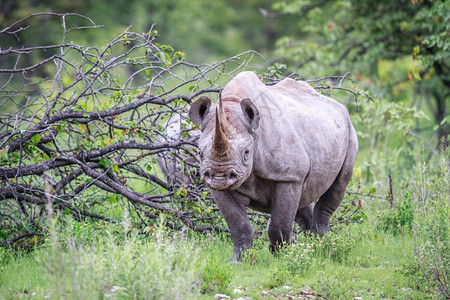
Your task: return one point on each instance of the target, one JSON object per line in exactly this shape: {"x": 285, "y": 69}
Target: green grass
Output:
{"x": 396, "y": 253}
{"x": 169, "y": 266}
{"x": 20, "y": 275}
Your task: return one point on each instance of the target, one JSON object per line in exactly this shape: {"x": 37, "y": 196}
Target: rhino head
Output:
{"x": 226, "y": 143}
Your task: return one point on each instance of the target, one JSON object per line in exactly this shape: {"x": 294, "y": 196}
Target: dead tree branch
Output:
{"x": 83, "y": 129}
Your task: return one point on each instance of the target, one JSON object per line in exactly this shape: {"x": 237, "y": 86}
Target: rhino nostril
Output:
{"x": 232, "y": 178}
{"x": 207, "y": 175}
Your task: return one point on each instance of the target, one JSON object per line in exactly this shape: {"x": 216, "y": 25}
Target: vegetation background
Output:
{"x": 388, "y": 62}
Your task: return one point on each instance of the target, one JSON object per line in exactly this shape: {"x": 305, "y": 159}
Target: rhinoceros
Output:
{"x": 283, "y": 149}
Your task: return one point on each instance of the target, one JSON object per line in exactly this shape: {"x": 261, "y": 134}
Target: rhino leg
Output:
{"x": 235, "y": 213}
{"x": 283, "y": 208}
{"x": 330, "y": 201}
{"x": 304, "y": 217}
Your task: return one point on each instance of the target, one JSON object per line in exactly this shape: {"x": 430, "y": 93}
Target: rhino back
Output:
{"x": 327, "y": 131}
{"x": 303, "y": 135}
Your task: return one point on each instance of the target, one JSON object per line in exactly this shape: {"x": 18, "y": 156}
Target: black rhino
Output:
{"x": 275, "y": 149}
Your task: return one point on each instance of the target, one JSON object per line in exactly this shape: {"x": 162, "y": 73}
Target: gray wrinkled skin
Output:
{"x": 276, "y": 149}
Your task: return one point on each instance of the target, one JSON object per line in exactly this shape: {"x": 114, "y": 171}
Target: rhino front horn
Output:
{"x": 221, "y": 145}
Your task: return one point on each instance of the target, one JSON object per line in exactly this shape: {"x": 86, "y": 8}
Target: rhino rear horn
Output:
{"x": 199, "y": 110}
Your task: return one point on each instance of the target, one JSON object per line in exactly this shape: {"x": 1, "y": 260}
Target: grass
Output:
{"x": 396, "y": 253}
{"x": 163, "y": 266}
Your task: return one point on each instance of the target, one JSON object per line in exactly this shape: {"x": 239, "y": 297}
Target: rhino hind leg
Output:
{"x": 331, "y": 199}
{"x": 304, "y": 217}
{"x": 327, "y": 205}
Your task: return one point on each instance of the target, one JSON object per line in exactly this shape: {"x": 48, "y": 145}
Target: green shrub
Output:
{"x": 278, "y": 276}
{"x": 336, "y": 245}
{"x": 5, "y": 256}
{"x": 297, "y": 257}
{"x": 399, "y": 220}
{"x": 292, "y": 260}
{"x": 215, "y": 275}
{"x": 432, "y": 226}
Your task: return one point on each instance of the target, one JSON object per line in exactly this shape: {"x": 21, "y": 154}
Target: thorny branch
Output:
{"x": 88, "y": 130}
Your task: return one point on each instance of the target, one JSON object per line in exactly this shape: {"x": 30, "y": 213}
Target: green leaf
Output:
{"x": 60, "y": 128}
{"x": 36, "y": 138}
{"x": 106, "y": 162}
{"x": 30, "y": 148}
{"x": 112, "y": 199}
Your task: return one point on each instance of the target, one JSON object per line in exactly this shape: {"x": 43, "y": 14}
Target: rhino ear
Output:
{"x": 251, "y": 113}
{"x": 199, "y": 110}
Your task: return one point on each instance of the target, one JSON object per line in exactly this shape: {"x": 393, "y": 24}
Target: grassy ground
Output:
{"x": 362, "y": 261}
{"x": 395, "y": 253}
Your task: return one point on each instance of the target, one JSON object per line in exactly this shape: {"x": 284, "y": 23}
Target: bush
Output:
{"x": 293, "y": 260}
{"x": 399, "y": 220}
{"x": 432, "y": 225}
{"x": 112, "y": 112}
{"x": 336, "y": 245}
{"x": 215, "y": 275}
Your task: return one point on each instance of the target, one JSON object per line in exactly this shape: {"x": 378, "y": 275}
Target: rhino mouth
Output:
{"x": 229, "y": 179}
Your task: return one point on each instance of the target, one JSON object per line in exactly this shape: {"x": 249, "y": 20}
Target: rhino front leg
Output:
{"x": 235, "y": 213}
{"x": 283, "y": 209}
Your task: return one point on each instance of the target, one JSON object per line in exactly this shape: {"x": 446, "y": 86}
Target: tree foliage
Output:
{"x": 206, "y": 30}
{"x": 386, "y": 44}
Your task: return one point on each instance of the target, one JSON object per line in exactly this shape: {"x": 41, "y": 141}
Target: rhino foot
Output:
{"x": 274, "y": 248}
{"x": 321, "y": 229}
{"x": 233, "y": 260}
